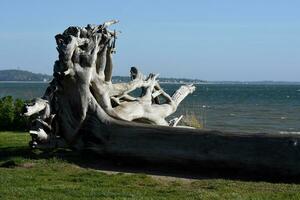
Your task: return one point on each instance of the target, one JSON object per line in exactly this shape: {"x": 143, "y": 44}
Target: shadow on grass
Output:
{"x": 89, "y": 159}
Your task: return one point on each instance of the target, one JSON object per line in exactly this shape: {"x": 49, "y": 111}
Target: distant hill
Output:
{"x": 20, "y": 75}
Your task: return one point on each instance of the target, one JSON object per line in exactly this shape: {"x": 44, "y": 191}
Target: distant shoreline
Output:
{"x": 24, "y": 81}
{"x": 196, "y": 83}
{"x": 20, "y": 76}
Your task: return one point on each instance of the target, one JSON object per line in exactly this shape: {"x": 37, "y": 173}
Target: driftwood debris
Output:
{"x": 81, "y": 99}
{"x": 82, "y": 108}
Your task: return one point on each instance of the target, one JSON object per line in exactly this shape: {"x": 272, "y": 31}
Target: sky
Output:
{"x": 232, "y": 40}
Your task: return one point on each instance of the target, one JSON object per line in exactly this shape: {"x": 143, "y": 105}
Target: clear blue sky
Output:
{"x": 206, "y": 39}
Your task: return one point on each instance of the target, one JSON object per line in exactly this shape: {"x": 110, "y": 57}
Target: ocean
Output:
{"x": 264, "y": 108}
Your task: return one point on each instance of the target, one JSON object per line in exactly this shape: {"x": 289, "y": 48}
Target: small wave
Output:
{"x": 205, "y": 106}
{"x": 283, "y": 117}
{"x": 298, "y": 90}
{"x": 289, "y": 132}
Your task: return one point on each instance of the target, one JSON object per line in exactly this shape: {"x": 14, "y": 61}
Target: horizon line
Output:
{"x": 197, "y": 79}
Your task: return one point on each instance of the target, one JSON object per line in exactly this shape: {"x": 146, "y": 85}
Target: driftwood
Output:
{"x": 82, "y": 99}
{"x": 263, "y": 154}
{"x": 82, "y": 108}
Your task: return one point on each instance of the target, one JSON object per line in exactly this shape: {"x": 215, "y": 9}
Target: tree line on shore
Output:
{"x": 11, "y": 118}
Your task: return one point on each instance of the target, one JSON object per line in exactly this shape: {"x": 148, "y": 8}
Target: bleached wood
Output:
{"x": 82, "y": 96}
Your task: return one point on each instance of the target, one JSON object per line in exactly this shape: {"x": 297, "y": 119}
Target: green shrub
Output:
{"x": 6, "y": 112}
{"x": 10, "y": 114}
{"x": 20, "y": 122}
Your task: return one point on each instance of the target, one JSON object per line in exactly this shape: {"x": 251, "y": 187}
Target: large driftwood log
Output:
{"x": 82, "y": 108}
{"x": 266, "y": 154}
{"x": 82, "y": 99}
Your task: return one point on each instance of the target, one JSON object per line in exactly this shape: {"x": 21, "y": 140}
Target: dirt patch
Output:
{"x": 13, "y": 164}
{"x": 27, "y": 165}
{"x": 156, "y": 177}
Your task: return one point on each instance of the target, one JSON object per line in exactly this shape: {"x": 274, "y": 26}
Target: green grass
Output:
{"x": 26, "y": 174}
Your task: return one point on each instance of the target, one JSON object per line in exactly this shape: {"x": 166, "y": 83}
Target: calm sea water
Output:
{"x": 226, "y": 107}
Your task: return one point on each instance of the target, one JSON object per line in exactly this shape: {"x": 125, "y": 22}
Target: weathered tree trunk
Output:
{"x": 263, "y": 153}
{"x": 82, "y": 108}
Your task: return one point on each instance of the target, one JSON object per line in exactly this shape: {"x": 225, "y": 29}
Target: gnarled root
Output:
{"x": 82, "y": 102}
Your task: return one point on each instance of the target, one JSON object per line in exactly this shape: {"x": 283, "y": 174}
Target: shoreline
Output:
{"x": 25, "y": 81}
{"x": 195, "y": 83}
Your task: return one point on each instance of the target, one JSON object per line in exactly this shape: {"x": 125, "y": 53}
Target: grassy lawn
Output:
{"x": 26, "y": 174}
